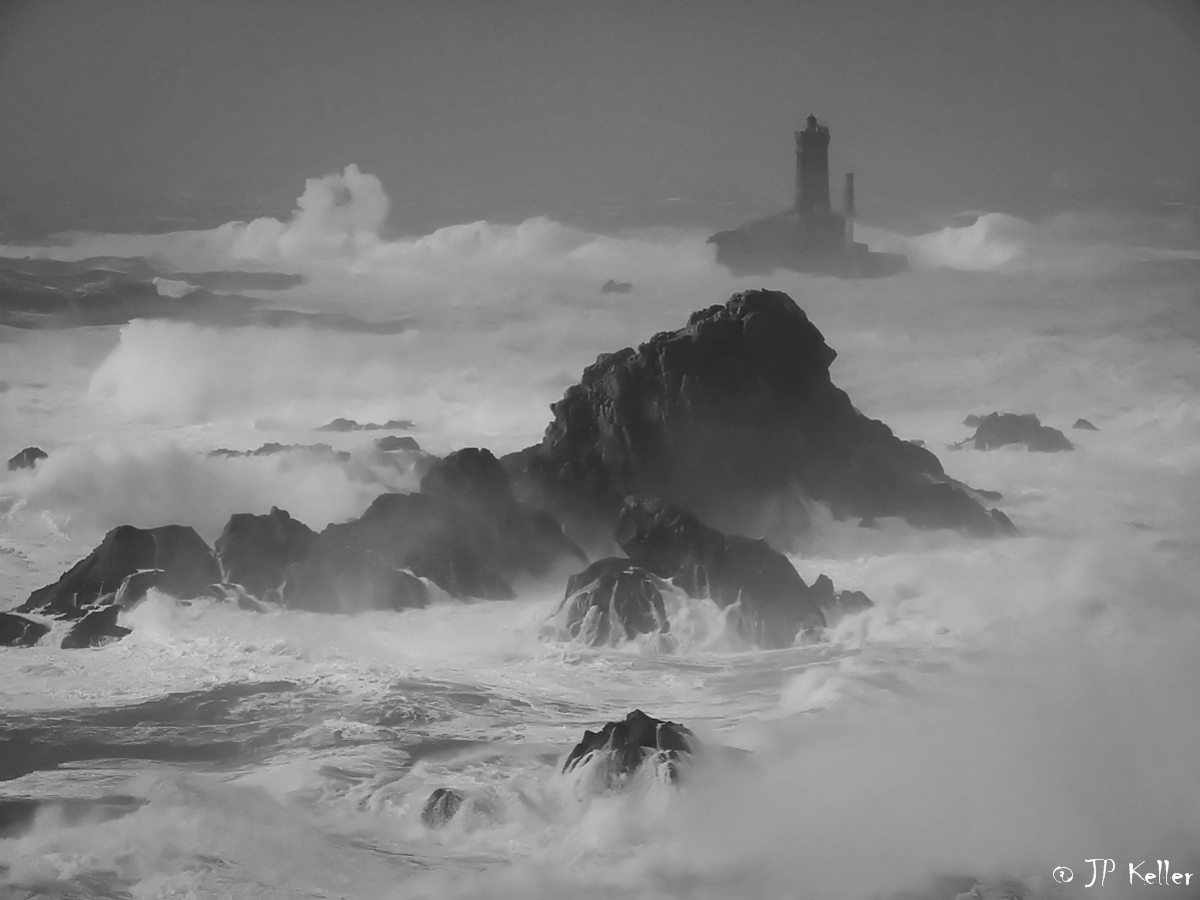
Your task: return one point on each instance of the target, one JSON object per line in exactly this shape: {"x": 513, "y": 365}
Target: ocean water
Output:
{"x": 1007, "y": 707}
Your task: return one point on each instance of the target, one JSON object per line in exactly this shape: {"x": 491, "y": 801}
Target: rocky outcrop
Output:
{"x": 18, "y": 631}
{"x": 835, "y": 604}
{"x": 128, "y": 562}
{"x": 397, "y": 442}
{"x": 612, "y": 601}
{"x": 802, "y": 243}
{"x": 1001, "y": 429}
{"x": 441, "y": 807}
{"x": 96, "y": 629}
{"x": 273, "y": 448}
{"x": 773, "y": 602}
{"x": 725, "y": 416}
{"x": 27, "y": 458}
{"x": 255, "y": 551}
{"x": 616, "y": 287}
{"x": 464, "y": 531}
{"x": 1084, "y": 425}
{"x": 350, "y": 425}
{"x": 620, "y": 749}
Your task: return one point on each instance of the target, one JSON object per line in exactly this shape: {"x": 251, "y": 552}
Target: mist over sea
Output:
{"x": 1008, "y": 705}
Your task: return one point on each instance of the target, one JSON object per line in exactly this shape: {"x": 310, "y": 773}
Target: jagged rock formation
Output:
{"x": 464, "y": 531}
{"x": 18, "y": 631}
{"x": 97, "y": 628}
{"x": 441, "y": 807}
{"x": 837, "y": 604}
{"x": 773, "y": 602}
{"x": 341, "y": 424}
{"x": 128, "y": 562}
{"x": 27, "y": 458}
{"x": 620, "y": 749}
{"x": 272, "y": 448}
{"x": 611, "y": 601}
{"x": 397, "y": 442}
{"x": 725, "y": 417}
{"x": 255, "y": 551}
{"x": 1000, "y": 429}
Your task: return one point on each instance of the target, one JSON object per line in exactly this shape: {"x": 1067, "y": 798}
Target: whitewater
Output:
{"x": 1008, "y": 705}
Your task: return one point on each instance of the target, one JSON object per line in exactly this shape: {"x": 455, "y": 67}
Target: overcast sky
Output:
{"x": 617, "y": 112}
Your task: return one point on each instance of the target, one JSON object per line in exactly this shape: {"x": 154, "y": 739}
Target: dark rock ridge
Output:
{"x": 350, "y": 425}
{"x": 255, "y": 551}
{"x": 17, "y": 631}
{"x": 97, "y": 628}
{"x": 725, "y": 416}
{"x": 26, "y": 459}
{"x": 397, "y": 442}
{"x": 774, "y": 603}
{"x": 611, "y": 601}
{"x": 128, "y": 562}
{"x": 620, "y": 749}
{"x": 1084, "y": 425}
{"x": 272, "y": 448}
{"x": 441, "y": 807}
{"x": 464, "y": 531}
{"x": 1000, "y": 429}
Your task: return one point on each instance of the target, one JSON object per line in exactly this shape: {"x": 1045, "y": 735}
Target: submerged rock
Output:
{"x": 773, "y": 602}
{"x": 620, "y": 749}
{"x": 613, "y": 600}
{"x": 96, "y": 629}
{"x": 27, "y": 458}
{"x": 440, "y": 808}
{"x": 128, "y": 562}
{"x": 725, "y": 416}
{"x": 464, "y": 531}
{"x": 255, "y": 551}
{"x": 1000, "y": 429}
{"x": 18, "y": 631}
{"x": 1084, "y": 425}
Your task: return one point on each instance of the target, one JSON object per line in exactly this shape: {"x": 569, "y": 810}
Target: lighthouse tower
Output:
{"x": 812, "y": 170}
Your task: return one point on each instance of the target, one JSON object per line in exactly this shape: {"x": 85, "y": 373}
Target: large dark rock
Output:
{"x": 97, "y": 628}
{"x": 773, "y": 602}
{"x": 255, "y": 551}
{"x": 17, "y": 631}
{"x": 620, "y": 749}
{"x": 1000, "y": 429}
{"x": 440, "y": 808}
{"x": 128, "y": 562}
{"x": 26, "y": 459}
{"x": 726, "y": 416}
{"x": 464, "y": 531}
{"x": 611, "y": 601}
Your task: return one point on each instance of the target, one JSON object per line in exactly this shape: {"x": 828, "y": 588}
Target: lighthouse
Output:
{"x": 812, "y": 169}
